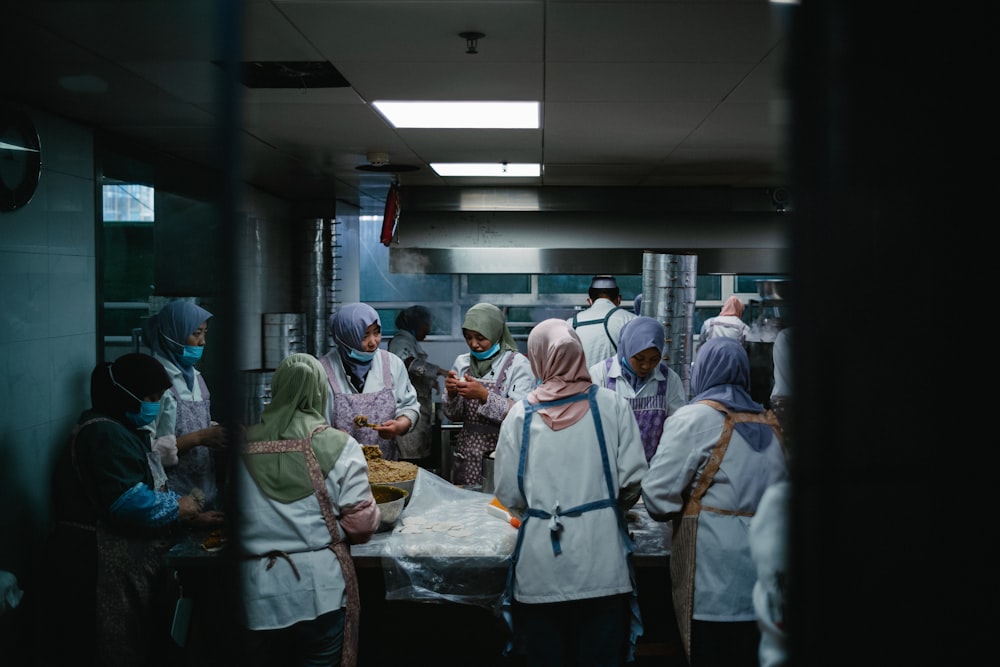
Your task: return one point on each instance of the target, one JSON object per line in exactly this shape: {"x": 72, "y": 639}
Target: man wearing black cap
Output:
{"x": 600, "y": 325}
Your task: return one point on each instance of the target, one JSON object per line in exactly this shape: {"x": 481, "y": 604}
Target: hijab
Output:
{"x": 138, "y": 373}
{"x": 166, "y": 331}
{"x": 410, "y": 319}
{"x": 489, "y": 321}
{"x": 733, "y": 306}
{"x": 722, "y": 373}
{"x": 298, "y": 400}
{"x": 557, "y": 360}
{"x": 297, "y": 407}
{"x": 638, "y": 335}
{"x": 348, "y": 326}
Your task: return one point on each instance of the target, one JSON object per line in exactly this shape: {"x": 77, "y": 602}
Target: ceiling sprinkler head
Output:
{"x": 471, "y": 41}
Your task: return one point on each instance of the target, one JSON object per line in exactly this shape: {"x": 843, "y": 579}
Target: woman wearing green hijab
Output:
{"x": 481, "y": 387}
{"x": 304, "y": 498}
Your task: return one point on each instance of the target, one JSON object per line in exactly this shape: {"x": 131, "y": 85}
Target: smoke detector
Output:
{"x": 379, "y": 162}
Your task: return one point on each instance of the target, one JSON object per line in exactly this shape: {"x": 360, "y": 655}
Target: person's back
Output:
{"x": 714, "y": 477}
{"x": 305, "y": 499}
{"x": 571, "y": 589}
{"x": 412, "y": 326}
{"x": 728, "y": 323}
{"x": 599, "y": 326}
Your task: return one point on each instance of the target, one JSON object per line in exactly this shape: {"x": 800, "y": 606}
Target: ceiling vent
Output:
{"x": 290, "y": 74}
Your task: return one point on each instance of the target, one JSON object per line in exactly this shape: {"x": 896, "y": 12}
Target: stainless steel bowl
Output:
{"x": 390, "y": 500}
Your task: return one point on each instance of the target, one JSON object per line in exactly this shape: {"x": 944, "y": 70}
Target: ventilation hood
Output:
{"x": 588, "y": 230}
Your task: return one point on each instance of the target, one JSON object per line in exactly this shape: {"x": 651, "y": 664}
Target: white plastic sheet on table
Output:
{"x": 446, "y": 547}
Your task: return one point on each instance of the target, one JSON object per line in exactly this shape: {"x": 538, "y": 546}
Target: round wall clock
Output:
{"x": 20, "y": 158}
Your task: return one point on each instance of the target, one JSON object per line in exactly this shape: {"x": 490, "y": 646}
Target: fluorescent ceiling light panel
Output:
{"x": 458, "y": 115}
{"x": 498, "y": 169}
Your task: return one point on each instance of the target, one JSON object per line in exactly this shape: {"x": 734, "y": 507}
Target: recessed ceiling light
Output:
{"x": 498, "y": 169}
{"x": 456, "y": 115}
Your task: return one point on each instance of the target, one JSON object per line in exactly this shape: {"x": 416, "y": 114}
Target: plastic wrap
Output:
{"x": 446, "y": 547}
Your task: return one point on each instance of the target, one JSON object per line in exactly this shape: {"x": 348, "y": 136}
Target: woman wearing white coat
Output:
{"x": 569, "y": 461}
{"x": 716, "y": 457}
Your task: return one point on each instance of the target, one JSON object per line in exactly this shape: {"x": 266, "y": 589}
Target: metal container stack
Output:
{"x": 669, "y": 290}
{"x": 284, "y": 334}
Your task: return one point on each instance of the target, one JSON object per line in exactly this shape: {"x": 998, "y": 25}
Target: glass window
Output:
{"x": 746, "y": 284}
{"x": 708, "y": 288}
{"x": 440, "y": 320}
{"x": 498, "y": 283}
{"x": 564, "y": 284}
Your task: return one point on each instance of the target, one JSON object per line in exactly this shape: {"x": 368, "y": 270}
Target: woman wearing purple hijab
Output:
{"x": 184, "y": 434}
{"x": 717, "y": 456}
{"x": 638, "y": 374}
{"x": 371, "y": 396}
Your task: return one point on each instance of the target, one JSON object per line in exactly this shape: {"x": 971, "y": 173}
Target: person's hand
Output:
{"x": 391, "y": 428}
{"x": 214, "y": 436}
{"x": 209, "y": 519}
{"x": 472, "y": 388}
{"x": 187, "y": 508}
{"x": 451, "y": 383}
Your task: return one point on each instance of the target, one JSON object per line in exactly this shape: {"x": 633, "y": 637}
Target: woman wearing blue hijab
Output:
{"x": 716, "y": 457}
{"x": 184, "y": 434}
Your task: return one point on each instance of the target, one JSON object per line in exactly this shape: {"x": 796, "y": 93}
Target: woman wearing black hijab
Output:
{"x": 113, "y": 520}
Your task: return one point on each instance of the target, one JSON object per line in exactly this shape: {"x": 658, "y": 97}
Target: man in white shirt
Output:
{"x": 600, "y": 325}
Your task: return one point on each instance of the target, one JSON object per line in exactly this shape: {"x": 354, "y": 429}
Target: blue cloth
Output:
{"x": 141, "y": 506}
{"x": 722, "y": 373}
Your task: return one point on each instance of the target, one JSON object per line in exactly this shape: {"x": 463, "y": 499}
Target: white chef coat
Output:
{"x": 564, "y": 468}
{"x": 596, "y": 344}
{"x": 724, "y": 571}
{"x": 277, "y": 598}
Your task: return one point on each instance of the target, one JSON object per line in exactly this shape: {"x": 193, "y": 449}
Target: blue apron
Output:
{"x": 555, "y": 524}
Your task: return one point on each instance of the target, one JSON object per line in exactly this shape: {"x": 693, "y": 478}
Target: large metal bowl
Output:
{"x": 390, "y": 500}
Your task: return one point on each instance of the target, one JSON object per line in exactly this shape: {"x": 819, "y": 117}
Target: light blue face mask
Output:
{"x": 148, "y": 411}
{"x": 192, "y": 354}
{"x": 357, "y": 355}
{"x": 488, "y": 353}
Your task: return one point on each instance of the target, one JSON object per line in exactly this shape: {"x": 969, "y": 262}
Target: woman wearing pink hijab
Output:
{"x": 570, "y": 462}
{"x": 728, "y": 323}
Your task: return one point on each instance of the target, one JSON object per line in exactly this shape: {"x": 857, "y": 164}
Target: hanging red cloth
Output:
{"x": 391, "y": 217}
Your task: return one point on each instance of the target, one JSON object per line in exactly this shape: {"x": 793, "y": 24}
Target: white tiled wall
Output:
{"x": 49, "y": 327}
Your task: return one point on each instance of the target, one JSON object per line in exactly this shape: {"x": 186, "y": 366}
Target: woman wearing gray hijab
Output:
{"x": 371, "y": 396}
{"x": 412, "y": 326}
{"x": 184, "y": 434}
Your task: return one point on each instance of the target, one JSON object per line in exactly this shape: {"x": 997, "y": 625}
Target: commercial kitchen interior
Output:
{"x": 864, "y": 117}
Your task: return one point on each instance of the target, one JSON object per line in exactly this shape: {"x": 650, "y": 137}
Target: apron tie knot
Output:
{"x": 555, "y": 528}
